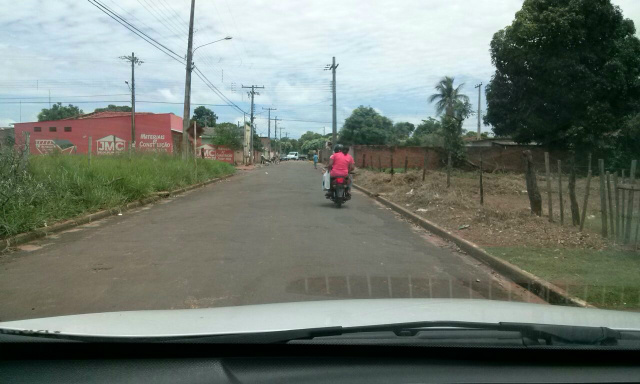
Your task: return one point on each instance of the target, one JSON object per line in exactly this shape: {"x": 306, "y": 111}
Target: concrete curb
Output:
{"x": 68, "y": 224}
{"x": 541, "y": 288}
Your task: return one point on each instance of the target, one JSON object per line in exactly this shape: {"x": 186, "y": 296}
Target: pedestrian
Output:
{"x": 315, "y": 160}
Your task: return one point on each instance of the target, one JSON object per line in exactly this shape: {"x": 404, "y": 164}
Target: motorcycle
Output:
{"x": 339, "y": 192}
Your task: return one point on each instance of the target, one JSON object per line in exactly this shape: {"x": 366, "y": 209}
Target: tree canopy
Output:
{"x": 229, "y": 135}
{"x": 447, "y": 97}
{"x": 312, "y": 145}
{"x": 365, "y": 126}
{"x": 58, "y": 112}
{"x": 204, "y": 117}
{"x": 567, "y": 74}
{"x": 114, "y": 108}
{"x": 399, "y": 133}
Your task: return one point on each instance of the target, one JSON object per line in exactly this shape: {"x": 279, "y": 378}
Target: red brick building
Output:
{"x": 109, "y": 132}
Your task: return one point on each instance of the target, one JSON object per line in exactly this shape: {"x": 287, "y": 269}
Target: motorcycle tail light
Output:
{"x": 339, "y": 180}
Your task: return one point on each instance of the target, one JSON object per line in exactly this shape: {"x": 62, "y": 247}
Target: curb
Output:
{"x": 541, "y": 288}
{"x": 68, "y": 224}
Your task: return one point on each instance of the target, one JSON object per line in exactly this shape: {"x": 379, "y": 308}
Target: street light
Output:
{"x": 200, "y": 46}
{"x": 187, "y": 85}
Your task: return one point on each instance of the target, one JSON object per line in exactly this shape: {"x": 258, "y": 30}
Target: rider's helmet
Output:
{"x": 337, "y": 148}
{"x": 345, "y": 149}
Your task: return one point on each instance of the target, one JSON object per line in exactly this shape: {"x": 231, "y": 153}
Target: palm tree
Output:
{"x": 448, "y": 97}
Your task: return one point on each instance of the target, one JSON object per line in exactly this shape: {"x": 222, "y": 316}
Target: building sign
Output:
{"x": 109, "y": 145}
{"x": 45, "y": 146}
{"x": 216, "y": 152}
{"x": 154, "y": 143}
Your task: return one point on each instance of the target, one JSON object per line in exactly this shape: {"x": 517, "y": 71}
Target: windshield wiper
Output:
{"x": 526, "y": 334}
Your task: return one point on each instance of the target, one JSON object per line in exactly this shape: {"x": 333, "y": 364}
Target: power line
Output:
{"x": 156, "y": 44}
{"x": 215, "y": 89}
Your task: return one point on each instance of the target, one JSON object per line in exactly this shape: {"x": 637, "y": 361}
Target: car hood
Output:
{"x": 317, "y": 314}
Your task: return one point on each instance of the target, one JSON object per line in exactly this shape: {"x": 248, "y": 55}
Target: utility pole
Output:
{"x": 334, "y": 125}
{"x": 252, "y": 93}
{"x": 280, "y": 141}
{"x": 275, "y": 131}
{"x": 479, "y": 86}
{"x": 269, "y": 127}
{"x": 134, "y": 60}
{"x": 187, "y": 88}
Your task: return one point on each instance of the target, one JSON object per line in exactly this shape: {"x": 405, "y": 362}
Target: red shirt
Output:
{"x": 341, "y": 164}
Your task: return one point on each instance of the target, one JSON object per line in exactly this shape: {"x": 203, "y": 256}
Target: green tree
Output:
{"x": 313, "y": 145}
{"x": 567, "y": 74}
{"x": 365, "y": 126}
{"x": 114, "y": 108}
{"x": 427, "y": 134}
{"x": 448, "y": 97}
{"x": 400, "y": 133}
{"x": 229, "y": 135}
{"x": 286, "y": 147}
{"x": 59, "y": 112}
{"x": 456, "y": 107}
{"x": 204, "y": 117}
{"x": 257, "y": 143}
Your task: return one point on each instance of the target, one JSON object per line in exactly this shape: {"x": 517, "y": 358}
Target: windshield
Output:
{"x": 166, "y": 156}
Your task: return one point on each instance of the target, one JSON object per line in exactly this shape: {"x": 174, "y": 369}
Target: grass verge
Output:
{"x": 57, "y": 187}
{"x": 605, "y": 278}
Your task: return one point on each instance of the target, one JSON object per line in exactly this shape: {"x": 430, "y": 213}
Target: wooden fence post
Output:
{"x": 364, "y": 160}
{"x": 547, "y": 167}
{"x": 560, "y": 192}
{"x": 371, "y": 161}
{"x": 406, "y": 163}
{"x": 617, "y": 197}
{"x": 392, "y": 170}
{"x": 535, "y": 200}
{"x": 424, "y": 166}
{"x": 603, "y": 199}
{"x": 481, "y": 186}
{"x": 632, "y": 179}
{"x": 448, "y": 169}
{"x": 90, "y": 149}
{"x": 586, "y": 196}
{"x": 573, "y": 200}
{"x": 612, "y": 229}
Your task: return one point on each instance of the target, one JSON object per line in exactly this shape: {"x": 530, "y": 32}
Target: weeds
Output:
{"x": 56, "y": 187}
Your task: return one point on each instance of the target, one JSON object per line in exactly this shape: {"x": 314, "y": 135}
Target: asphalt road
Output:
{"x": 262, "y": 236}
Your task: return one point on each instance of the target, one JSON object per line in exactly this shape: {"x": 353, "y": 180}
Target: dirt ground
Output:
{"x": 505, "y": 218}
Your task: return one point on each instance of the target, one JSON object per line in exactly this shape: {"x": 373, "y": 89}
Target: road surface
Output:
{"x": 262, "y": 236}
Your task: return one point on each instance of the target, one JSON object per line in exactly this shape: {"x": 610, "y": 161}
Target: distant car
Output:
{"x": 293, "y": 156}
{"x": 302, "y": 157}
{"x": 283, "y": 158}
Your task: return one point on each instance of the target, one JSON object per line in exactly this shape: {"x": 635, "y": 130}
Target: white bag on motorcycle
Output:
{"x": 326, "y": 181}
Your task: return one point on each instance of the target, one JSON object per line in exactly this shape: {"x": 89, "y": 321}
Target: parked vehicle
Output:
{"x": 293, "y": 156}
{"x": 302, "y": 157}
{"x": 283, "y": 158}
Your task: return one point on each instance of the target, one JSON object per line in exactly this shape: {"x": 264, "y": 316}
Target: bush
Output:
{"x": 57, "y": 187}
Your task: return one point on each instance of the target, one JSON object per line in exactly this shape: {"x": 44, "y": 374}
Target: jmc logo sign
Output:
{"x": 109, "y": 145}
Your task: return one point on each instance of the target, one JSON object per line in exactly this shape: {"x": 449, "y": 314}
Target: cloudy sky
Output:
{"x": 390, "y": 55}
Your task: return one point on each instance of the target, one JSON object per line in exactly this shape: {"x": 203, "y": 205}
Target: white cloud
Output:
{"x": 390, "y": 54}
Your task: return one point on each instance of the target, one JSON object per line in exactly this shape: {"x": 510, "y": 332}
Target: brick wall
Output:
{"x": 380, "y": 155}
{"x": 495, "y": 158}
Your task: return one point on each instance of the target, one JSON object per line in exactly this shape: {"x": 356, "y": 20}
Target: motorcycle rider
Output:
{"x": 338, "y": 165}
{"x": 352, "y": 166}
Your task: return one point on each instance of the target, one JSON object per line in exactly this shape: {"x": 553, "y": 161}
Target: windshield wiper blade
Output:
{"x": 532, "y": 334}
